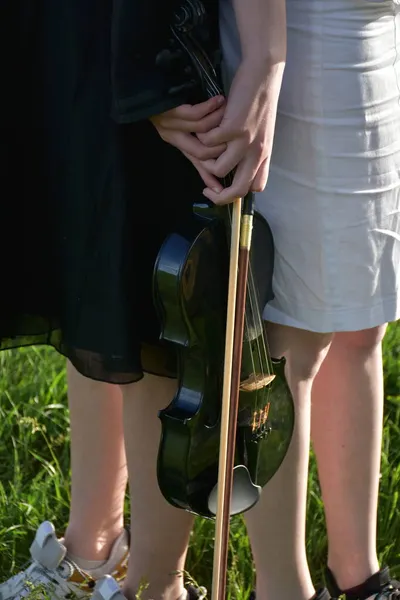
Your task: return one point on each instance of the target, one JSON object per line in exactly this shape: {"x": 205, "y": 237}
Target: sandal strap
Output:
{"x": 379, "y": 584}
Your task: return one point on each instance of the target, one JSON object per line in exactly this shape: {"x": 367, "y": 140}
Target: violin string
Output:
{"x": 264, "y": 338}
{"x": 260, "y": 357}
{"x": 246, "y": 318}
{"x": 260, "y": 320}
{"x": 212, "y": 89}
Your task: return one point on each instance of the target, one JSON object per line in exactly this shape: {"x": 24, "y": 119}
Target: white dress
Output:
{"x": 333, "y": 194}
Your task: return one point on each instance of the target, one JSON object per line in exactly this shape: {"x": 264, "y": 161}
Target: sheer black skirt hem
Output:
{"x": 153, "y": 359}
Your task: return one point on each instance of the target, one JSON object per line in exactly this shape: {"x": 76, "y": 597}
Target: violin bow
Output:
{"x": 241, "y": 231}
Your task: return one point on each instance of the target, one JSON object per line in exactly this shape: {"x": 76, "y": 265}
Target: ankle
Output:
{"x": 320, "y": 594}
{"x": 175, "y": 591}
{"x": 90, "y": 545}
{"x": 349, "y": 574}
{"x": 294, "y": 588}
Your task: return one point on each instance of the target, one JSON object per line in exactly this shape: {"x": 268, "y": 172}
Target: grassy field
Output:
{"x": 34, "y": 470}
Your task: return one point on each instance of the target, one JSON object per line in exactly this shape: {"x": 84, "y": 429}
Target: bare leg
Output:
{"x": 276, "y": 525}
{"x": 98, "y": 465}
{"x": 347, "y": 417}
{"x": 160, "y": 533}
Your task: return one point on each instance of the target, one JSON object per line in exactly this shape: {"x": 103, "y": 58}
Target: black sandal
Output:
{"x": 380, "y": 584}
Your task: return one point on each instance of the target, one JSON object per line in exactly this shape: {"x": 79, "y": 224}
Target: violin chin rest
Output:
{"x": 245, "y": 494}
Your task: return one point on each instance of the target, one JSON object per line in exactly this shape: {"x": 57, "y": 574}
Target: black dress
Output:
{"x": 89, "y": 191}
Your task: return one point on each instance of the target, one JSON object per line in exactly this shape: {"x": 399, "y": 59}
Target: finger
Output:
{"x": 219, "y": 135}
{"x": 210, "y": 166}
{"x": 241, "y": 184}
{"x": 207, "y": 123}
{"x": 220, "y": 198}
{"x": 209, "y": 180}
{"x": 261, "y": 178}
{"x": 195, "y": 112}
{"x": 229, "y": 159}
{"x": 190, "y": 144}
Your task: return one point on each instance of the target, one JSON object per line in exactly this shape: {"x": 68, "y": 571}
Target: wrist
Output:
{"x": 265, "y": 74}
{"x": 271, "y": 63}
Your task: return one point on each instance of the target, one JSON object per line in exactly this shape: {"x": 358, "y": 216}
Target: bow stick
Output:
{"x": 241, "y": 230}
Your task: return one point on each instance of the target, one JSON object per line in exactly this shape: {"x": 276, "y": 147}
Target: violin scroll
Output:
{"x": 189, "y": 16}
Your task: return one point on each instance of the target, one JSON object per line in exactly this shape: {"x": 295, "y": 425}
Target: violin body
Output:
{"x": 190, "y": 288}
{"x": 190, "y": 284}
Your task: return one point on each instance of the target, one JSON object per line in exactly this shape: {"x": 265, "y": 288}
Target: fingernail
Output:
{"x": 217, "y": 190}
{"x": 220, "y": 100}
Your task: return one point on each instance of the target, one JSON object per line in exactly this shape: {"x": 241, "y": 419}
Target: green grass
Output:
{"x": 34, "y": 470}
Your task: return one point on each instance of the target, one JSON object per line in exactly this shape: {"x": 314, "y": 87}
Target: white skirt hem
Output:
{"x": 387, "y": 311}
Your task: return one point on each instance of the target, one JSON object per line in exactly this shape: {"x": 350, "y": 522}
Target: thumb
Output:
{"x": 260, "y": 180}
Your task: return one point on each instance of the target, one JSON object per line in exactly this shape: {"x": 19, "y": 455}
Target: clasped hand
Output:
{"x": 220, "y": 136}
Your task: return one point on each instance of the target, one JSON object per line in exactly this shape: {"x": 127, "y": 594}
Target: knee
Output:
{"x": 304, "y": 365}
{"x": 361, "y": 342}
{"x": 306, "y": 353}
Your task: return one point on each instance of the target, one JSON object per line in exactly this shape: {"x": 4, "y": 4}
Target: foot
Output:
{"x": 107, "y": 588}
{"x": 55, "y": 576}
{"x": 380, "y": 585}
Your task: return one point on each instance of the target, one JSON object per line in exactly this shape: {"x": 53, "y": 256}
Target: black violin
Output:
{"x": 190, "y": 292}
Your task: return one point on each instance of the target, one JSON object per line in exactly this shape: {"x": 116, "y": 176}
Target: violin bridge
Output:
{"x": 256, "y": 381}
